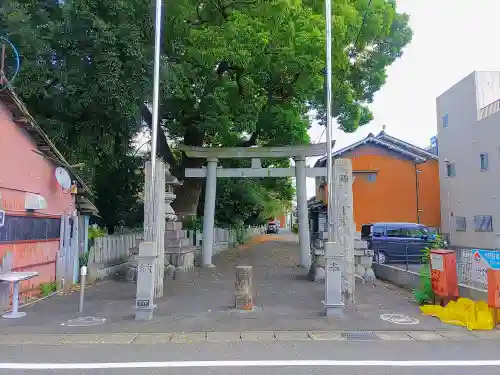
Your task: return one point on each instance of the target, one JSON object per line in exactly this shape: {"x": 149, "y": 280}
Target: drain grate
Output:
{"x": 360, "y": 336}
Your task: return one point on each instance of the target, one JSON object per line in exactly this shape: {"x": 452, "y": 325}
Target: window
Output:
{"x": 412, "y": 232}
{"x": 378, "y": 230}
{"x": 483, "y": 223}
{"x": 394, "y": 232}
{"x": 371, "y": 177}
{"x": 445, "y": 121}
{"x": 26, "y": 228}
{"x": 484, "y": 161}
{"x": 461, "y": 224}
{"x": 450, "y": 170}
{"x": 366, "y": 231}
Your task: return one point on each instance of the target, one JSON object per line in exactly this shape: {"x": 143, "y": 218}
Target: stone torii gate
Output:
{"x": 211, "y": 172}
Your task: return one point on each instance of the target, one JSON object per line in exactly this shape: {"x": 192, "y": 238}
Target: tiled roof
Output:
{"x": 394, "y": 144}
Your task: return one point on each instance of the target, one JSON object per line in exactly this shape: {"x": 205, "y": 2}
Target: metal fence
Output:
{"x": 407, "y": 255}
{"x": 464, "y": 265}
{"x": 464, "y": 269}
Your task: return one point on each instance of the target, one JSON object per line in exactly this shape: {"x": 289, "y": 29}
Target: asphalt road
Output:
{"x": 277, "y": 358}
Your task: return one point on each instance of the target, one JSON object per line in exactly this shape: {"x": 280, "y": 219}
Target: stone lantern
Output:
{"x": 170, "y": 182}
{"x": 179, "y": 251}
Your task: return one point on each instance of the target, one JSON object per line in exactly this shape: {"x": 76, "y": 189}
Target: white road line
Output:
{"x": 277, "y": 363}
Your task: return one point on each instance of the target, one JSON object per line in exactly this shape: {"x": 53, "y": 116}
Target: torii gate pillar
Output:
{"x": 209, "y": 213}
{"x": 303, "y": 216}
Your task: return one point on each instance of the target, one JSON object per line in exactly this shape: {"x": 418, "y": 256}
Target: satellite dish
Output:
{"x": 63, "y": 178}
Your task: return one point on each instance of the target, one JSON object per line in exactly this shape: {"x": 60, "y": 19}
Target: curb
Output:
{"x": 247, "y": 336}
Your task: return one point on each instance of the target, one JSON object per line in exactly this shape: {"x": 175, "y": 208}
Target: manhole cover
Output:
{"x": 399, "y": 319}
{"x": 86, "y": 321}
{"x": 360, "y": 336}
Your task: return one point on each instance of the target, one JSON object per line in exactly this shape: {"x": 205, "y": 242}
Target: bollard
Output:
{"x": 83, "y": 274}
{"x": 144, "y": 303}
{"x": 333, "y": 278}
{"x": 243, "y": 298}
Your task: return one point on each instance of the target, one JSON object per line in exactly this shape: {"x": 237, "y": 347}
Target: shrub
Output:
{"x": 425, "y": 294}
{"x": 47, "y": 288}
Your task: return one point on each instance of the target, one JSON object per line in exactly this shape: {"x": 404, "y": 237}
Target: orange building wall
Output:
{"x": 392, "y": 196}
{"x": 24, "y": 171}
{"x": 429, "y": 197}
{"x": 282, "y": 220}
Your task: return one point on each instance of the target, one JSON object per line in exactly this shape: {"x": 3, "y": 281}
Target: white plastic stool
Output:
{"x": 16, "y": 278}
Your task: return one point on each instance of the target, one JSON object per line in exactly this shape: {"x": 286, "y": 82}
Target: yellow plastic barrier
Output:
{"x": 464, "y": 312}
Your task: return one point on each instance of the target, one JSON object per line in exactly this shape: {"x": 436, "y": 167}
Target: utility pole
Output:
{"x": 148, "y": 270}
{"x": 333, "y": 249}
{"x": 329, "y": 125}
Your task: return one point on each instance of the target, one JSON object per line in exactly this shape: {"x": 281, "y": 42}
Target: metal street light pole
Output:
{"x": 329, "y": 125}
{"x": 156, "y": 87}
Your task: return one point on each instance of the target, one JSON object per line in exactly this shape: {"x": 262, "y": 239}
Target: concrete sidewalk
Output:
{"x": 203, "y": 300}
{"x": 248, "y": 336}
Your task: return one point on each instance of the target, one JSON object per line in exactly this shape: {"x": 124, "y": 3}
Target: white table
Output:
{"x": 15, "y": 278}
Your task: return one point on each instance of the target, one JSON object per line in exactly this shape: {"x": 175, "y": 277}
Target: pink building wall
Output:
{"x": 24, "y": 171}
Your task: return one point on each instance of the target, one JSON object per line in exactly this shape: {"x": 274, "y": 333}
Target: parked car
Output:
{"x": 397, "y": 242}
{"x": 272, "y": 227}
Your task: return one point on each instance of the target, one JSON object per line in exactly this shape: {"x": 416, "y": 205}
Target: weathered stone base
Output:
{"x": 363, "y": 260}
{"x": 182, "y": 262}
{"x": 99, "y": 271}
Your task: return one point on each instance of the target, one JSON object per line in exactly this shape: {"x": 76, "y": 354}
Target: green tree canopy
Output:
{"x": 256, "y": 68}
{"x": 233, "y": 73}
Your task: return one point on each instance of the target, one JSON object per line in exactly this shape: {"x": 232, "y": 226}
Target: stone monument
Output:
{"x": 144, "y": 302}
{"x": 356, "y": 257}
{"x": 179, "y": 251}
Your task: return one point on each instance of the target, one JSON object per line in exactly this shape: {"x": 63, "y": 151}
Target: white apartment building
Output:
{"x": 468, "y": 124}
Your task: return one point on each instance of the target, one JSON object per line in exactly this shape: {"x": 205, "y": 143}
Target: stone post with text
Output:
{"x": 345, "y": 225}
{"x": 144, "y": 302}
{"x": 154, "y": 220}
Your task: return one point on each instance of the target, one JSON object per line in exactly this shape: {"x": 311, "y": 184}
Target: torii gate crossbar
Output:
{"x": 211, "y": 172}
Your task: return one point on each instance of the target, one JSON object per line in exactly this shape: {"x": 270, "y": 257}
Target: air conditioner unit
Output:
{"x": 34, "y": 202}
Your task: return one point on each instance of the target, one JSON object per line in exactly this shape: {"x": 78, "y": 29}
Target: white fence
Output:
{"x": 113, "y": 249}
{"x": 224, "y": 238}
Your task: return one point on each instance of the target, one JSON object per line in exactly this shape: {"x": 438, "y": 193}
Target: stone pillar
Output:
{"x": 209, "y": 213}
{"x": 154, "y": 219}
{"x": 144, "y": 303}
{"x": 334, "y": 264}
{"x": 301, "y": 186}
{"x": 243, "y": 298}
{"x": 345, "y": 225}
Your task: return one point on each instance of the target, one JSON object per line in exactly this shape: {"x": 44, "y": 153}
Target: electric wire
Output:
{"x": 17, "y": 60}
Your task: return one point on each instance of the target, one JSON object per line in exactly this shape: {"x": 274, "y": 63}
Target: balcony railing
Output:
{"x": 489, "y": 110}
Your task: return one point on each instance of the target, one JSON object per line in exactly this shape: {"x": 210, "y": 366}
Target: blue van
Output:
{"x": 397, "y": 242}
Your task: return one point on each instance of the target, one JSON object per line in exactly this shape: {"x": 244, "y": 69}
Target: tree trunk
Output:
{"x": 187, "y": 197}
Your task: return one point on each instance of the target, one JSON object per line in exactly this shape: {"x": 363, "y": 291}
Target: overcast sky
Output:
{"x": 451, "y": 38}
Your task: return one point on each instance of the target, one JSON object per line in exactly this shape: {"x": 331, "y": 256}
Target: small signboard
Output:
{"x": 142, "y": 303}
{"x": 482, "y": 260}
{"x": 145, "y": 268}
{"x": 437, "y": 262}
{"x": 333, "y": 282}
{"x": 2, "y": 218}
